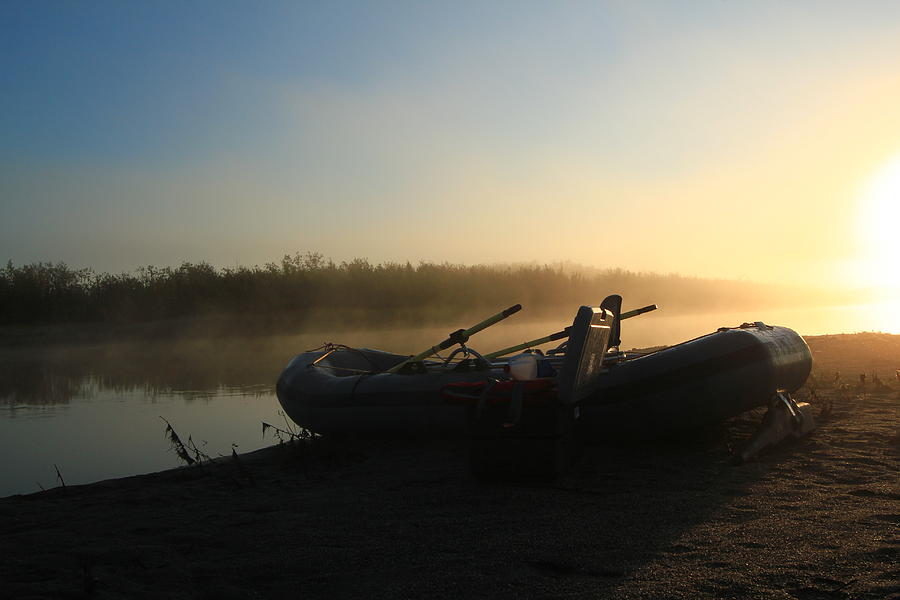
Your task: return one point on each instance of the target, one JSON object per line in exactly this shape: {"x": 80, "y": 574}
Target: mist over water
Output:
{"x": 93, "y": 409}
{"x": 651, "y": 329}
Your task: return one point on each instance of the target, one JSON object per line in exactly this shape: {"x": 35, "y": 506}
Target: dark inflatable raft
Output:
{"x": 336, "y": 389}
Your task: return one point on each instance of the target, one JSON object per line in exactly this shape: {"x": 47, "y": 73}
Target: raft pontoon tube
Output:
{"x": 699, "y": 382}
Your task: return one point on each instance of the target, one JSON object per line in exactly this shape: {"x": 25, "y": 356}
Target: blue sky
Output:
{"x": 640, "y": 135}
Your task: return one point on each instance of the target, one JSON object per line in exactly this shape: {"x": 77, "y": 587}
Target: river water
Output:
{"x": 93, "y": 411}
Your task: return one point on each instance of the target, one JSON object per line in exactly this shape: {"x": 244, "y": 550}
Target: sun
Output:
{"x": 880, "y": 227}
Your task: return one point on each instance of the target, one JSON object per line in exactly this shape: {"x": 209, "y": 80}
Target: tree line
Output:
{"x": 305, "y": 284}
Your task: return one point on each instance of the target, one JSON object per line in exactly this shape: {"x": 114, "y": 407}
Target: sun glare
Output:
{"x": 881, "y": 228}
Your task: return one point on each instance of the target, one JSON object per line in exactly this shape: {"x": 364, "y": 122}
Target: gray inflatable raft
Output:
{"x": 337, "y": 389}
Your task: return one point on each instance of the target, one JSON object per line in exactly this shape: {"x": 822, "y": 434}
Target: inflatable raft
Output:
{"x": 338, "y": 389}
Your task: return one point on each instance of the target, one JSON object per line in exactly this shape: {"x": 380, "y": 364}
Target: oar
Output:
{"x": 460, "y": 336}
{"x": 637, "y": 311}
{"x": 562, "y": 334}
{"x": 547, "y": 338}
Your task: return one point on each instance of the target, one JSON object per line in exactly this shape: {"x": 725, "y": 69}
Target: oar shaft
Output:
{"x": 460, "y": 336}
{"x": 547, "y": 338}
{"x": 490, "y": 321}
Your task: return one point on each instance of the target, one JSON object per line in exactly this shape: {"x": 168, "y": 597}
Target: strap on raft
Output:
{"x": 495, "y": 392}
{"x": 514, "y": 394}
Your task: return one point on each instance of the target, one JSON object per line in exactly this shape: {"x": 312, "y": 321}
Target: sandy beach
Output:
{"x": 814, "y": 519}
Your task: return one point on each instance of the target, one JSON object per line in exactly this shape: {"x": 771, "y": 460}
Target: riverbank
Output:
{"x": 815, "y": 519}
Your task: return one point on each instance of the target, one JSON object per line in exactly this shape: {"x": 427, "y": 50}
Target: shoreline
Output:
{"x": 398, "y": 519}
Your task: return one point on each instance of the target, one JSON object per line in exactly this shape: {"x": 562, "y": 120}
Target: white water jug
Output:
{"x": 523, "y": 366}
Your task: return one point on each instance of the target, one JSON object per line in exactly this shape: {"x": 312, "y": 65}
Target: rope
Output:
{"x": 329, "y": 348}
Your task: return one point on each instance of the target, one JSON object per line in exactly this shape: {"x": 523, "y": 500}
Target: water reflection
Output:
{"x": 35, "y": 384}
{"x": 194, "y": 370}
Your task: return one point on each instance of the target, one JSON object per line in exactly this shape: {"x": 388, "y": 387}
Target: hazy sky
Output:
{"x": 722, "y": 138}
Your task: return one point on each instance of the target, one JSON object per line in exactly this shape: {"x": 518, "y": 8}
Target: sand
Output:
{"x": 817, "y": 518}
